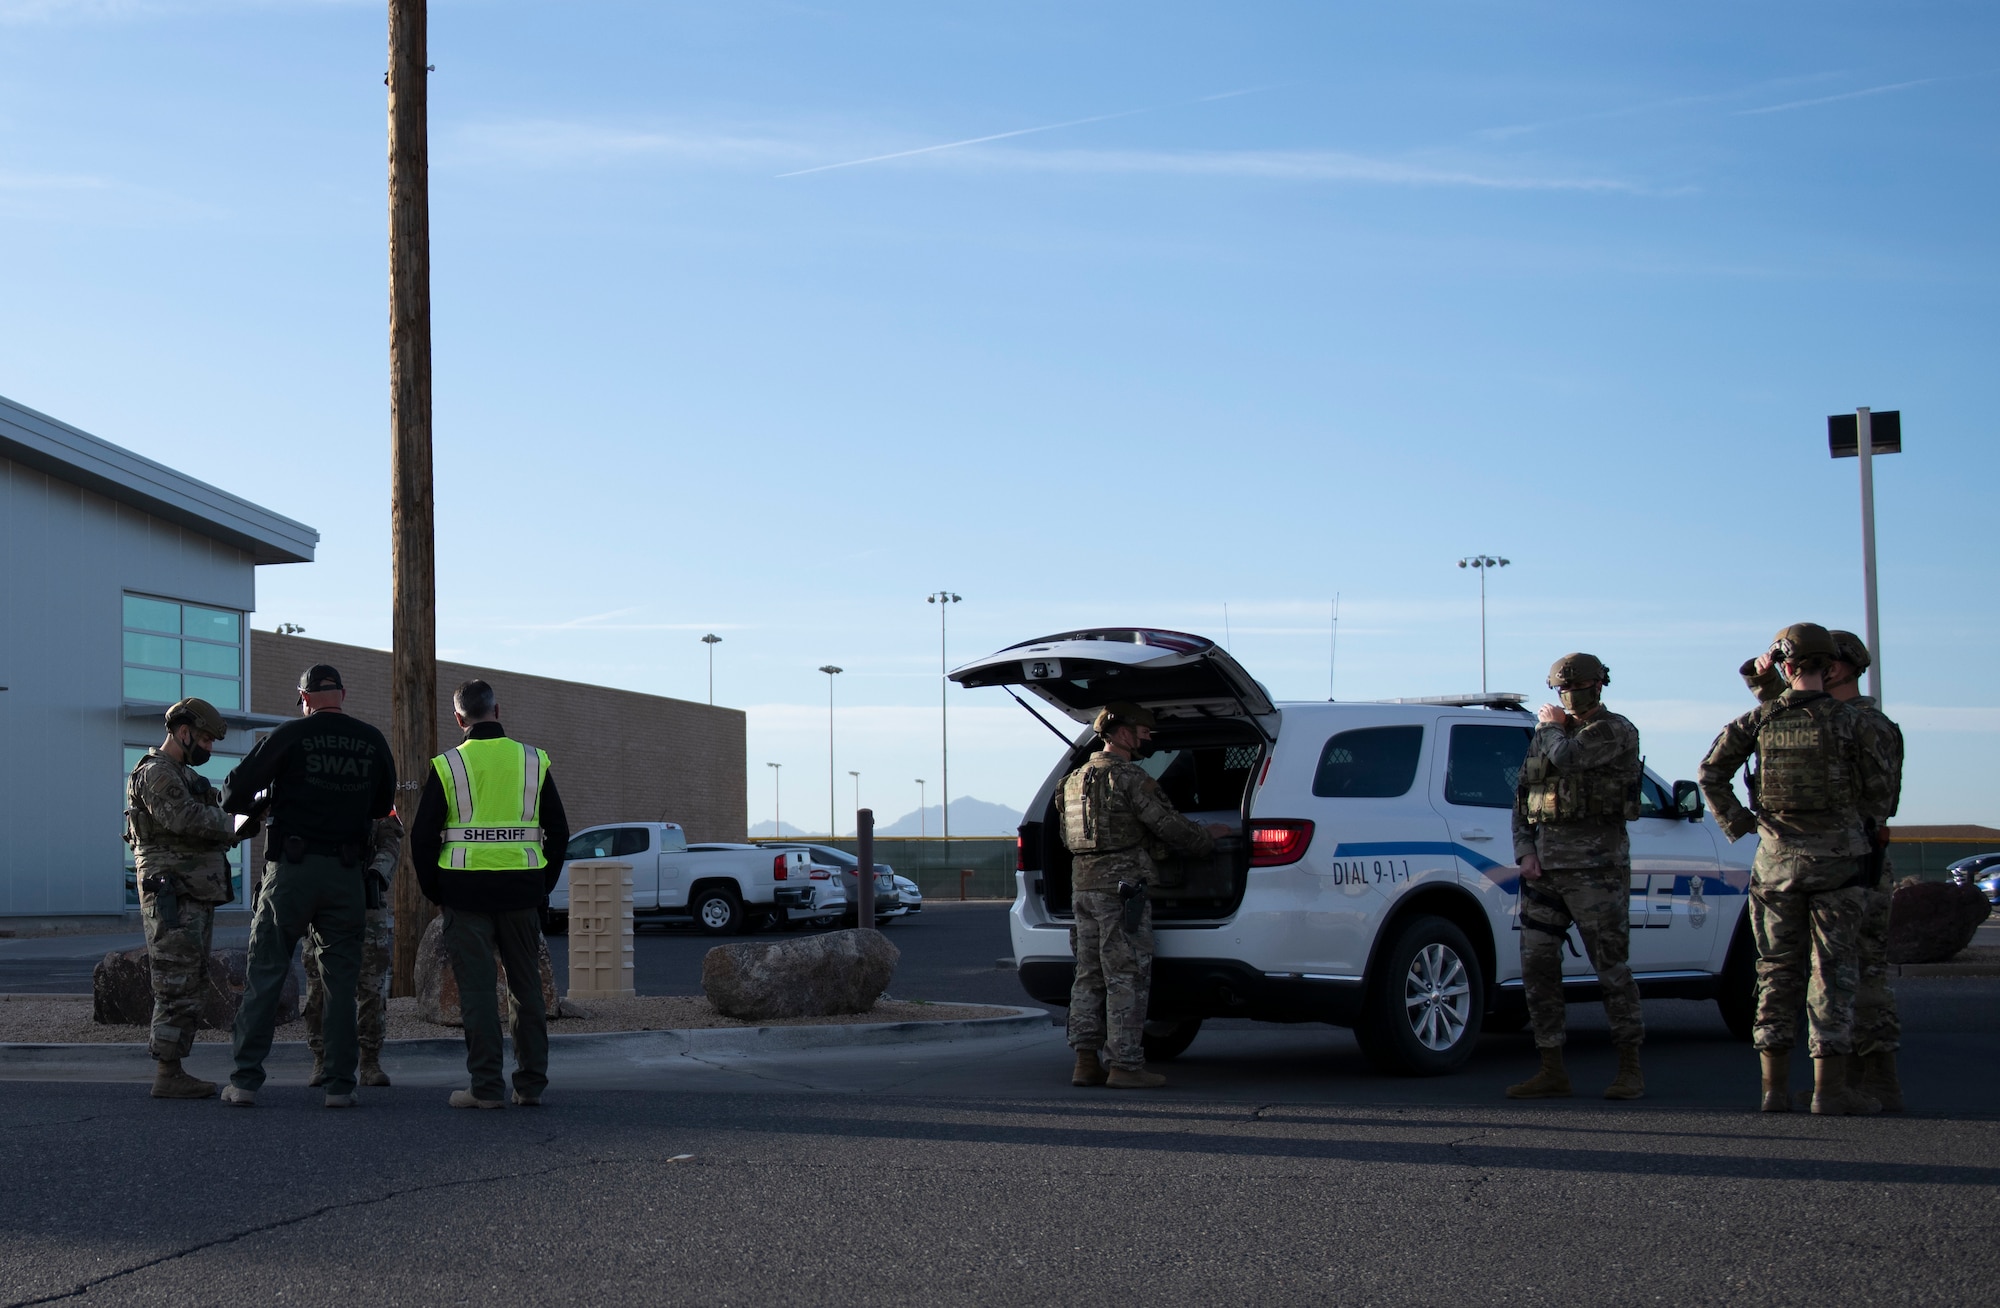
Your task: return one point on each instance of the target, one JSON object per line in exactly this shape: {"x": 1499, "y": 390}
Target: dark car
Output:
{"x": 1982, "y": 870}
{"x": 887, "y": 897}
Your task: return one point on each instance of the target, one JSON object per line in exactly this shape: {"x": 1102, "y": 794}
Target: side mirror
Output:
{"x": 1687, "y": 800}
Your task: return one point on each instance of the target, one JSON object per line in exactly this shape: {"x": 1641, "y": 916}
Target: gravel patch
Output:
{"x": 40, "y": 1019}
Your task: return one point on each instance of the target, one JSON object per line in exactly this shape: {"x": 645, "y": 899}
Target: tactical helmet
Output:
{"x": 1853, "y": 650}
{"x": 1578, "y": 670}
{"x": 1121, "y": 714}
{"x": 199, "y": 714}
{"x": 1806, "y": 644}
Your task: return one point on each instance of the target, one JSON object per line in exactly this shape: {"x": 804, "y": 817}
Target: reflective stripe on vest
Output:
{"x": 492, "y": 795}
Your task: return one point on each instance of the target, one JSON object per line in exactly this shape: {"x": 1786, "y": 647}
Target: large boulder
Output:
{"x": 437, "y": 983}
{"x": 819, "y": 976}
{"x": 121, "y": 990}
{"x": 1930, "y": 921}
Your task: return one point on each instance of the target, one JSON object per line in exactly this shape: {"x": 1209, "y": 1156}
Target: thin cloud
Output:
{"x": 1649, "y": 106}
{"x": 1830, "y": 99}
{"x": 1293, "y": 165}
{"x": 548, "y": 141}
{"x": 1019, "y": 131}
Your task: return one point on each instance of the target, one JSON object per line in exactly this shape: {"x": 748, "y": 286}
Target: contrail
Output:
{"x": 1829, "y": 99}
{"x": 1001, "y": 136}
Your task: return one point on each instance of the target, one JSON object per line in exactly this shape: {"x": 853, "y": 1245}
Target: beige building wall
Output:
{"x": 617, "y": 755}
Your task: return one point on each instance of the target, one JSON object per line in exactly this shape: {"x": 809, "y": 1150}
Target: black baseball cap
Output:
{"x": 321, "y": 676}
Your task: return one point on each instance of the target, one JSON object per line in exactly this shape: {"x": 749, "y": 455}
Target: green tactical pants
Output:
{"x": 318, "y": 896}
{"x": 378, "y": 941}
{"x": 472, "y": 940}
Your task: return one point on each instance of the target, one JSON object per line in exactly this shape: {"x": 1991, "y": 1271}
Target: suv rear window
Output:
{"x": 1371, "y": 763}
{"x": 1485, "y": 763}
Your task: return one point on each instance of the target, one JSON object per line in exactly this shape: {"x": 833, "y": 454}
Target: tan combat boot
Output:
{"x": 371, "y": 1072}
{"x": 169, "y": 1082}
{"x": 1139, "y": 1079}
{"x": 318, "y": 1076}
{"x": 1552, "y": 1082}
{"x": 1777, "y": 1064}
{"x": 1088, "y": 1070}
{"x": 467, "y": 1099}
{"x": 1628, "y": 1084}
{"x": 1874, "y": 1075}
{"x": 1832, "y": 1096}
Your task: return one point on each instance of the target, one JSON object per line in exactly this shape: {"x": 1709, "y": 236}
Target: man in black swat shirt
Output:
{"x": 329, "y": 777}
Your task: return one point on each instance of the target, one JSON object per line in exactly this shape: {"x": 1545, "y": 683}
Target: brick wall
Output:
{"x": 617, "y": 755}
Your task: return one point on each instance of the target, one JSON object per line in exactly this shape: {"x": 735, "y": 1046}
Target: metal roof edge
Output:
{"x": 49, "y": 445}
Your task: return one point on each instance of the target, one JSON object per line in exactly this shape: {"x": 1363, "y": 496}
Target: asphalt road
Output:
{"x": 1276, "y": 1167}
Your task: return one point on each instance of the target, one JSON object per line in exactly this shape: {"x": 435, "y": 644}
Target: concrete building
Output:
{"x": 125, "y": 585}
{"x": 618, "y": 755}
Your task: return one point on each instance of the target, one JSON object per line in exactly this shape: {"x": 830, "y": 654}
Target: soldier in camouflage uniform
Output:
{"x": 180, "y": 839}
{"x": 1821, "y": 766}
{"x": 1579, "y": 785}
{"x": 1878, "y": 1029}
{"x": 377, "y": 939}
{"x": 1115, "y": 819}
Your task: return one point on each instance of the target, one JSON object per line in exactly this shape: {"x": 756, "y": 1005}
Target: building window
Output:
{"x": 179, "y": 651}
{"x": 217, "y": 768}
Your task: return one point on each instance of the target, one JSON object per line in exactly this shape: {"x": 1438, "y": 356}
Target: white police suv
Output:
{"x": 1371, "y": 881}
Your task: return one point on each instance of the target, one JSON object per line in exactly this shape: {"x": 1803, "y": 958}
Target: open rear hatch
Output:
{"x": 1215, "y": 726}
{"x": 1175, "y": 674}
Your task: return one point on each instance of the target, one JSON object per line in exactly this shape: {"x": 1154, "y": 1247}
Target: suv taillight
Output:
{"x": 1020, "y": 854}
{"x": 1279, "y": 841}
{"x": 778, "y": 871}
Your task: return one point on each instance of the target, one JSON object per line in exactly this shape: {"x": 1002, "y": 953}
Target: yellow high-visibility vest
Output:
{"x": 493, "y": 799}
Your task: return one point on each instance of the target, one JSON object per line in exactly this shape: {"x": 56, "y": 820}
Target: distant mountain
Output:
{"x": 764, "y": 831}
{"x": 969, "y": 817}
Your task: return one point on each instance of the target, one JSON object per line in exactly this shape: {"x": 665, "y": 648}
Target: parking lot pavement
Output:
{"x": 1265, "y": 1174}
{"x": 1274, "y": 1168}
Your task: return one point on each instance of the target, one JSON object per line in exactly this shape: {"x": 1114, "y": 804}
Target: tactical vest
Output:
{"x": 1094, "y": 822}
{"x": 1592, "y": 795}
{"x": 1799, "y": 766}
{"x": 493, "y": 799}
{"x": 141, "y": 829}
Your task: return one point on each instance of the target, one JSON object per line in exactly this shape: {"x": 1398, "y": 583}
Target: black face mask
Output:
{"x": 1581, "y": 699}
{"x": 195, "y": 752}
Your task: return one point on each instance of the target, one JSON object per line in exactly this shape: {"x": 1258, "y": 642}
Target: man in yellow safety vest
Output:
{"x": 487, "y": 845}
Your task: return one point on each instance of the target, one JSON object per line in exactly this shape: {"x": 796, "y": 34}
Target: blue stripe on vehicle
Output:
{"x": 1505, "y": 876}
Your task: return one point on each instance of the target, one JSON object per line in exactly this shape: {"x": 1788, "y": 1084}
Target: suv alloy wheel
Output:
{"x": 1425, "y": 1002}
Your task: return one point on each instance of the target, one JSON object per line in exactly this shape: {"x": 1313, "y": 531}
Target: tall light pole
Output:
{"x": 923, "y": 817}
{"x": 857, "y": 788}
{"x": 1863, "y": 436}
{"x": 777, "y": 800}
{"x": 832, "y": 829}
{"x": 711, "y": 640}
{"x": 1482, "y": 562}
{"x": 944, "y": 599}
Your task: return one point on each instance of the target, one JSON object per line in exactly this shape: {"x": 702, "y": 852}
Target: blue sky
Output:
{"x": 1303, "y": 299}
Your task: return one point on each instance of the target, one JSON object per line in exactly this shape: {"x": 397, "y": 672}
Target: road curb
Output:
{"x": 91, "y": 1061}
{"x": 1944, "y": 969}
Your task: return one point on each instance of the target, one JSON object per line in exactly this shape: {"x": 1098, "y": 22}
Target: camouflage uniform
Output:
{"x": 1115, "y": 820}
{"x": 181, "y": 839}
{"x": 1822, "y": 766}
{"x": 1577, "y": 787}
{"x": 1878, "y": 1029}
{"x": 378, "y": 935}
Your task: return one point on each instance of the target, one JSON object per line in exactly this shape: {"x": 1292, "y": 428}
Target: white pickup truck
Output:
{"x": 726, "y": 889}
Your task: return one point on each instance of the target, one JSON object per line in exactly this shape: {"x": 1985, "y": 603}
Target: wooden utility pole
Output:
{"x": 413, "y": 665}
